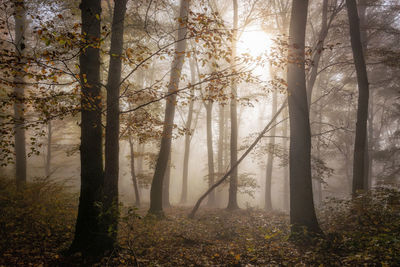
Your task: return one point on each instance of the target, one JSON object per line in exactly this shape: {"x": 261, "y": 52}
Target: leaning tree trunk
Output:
{"x": 233, "y": 182}
{"x": 89, "y": 237}
{"x": 270, "y": 161}
{"x": 20, "y": 150}
{"x": 302, "y": 212}
{"x": 210, "y": 153}
{"x": 133, "y": 174}
{"x": 111, "y": 205}
{"x": 165, "y": 147}
{"x": 360, "y": 147}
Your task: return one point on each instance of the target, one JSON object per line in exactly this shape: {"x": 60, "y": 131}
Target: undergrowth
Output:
{"x": 36, "y": 225}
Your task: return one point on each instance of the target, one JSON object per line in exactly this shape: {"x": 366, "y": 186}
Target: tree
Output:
{"x": 270, "y": 161}
{"x": 89, "y": 236}
{"x": 302, "y": 212}
{"x": 20, "y": 150}
{"x": 360, "y": 147}
{"x": 188, "y": 137}
{"x": 210, "y": 152}
{"x": 233, "y": 182}
{"x": 165, "y": 147}
{"x": 110, "y": 203}
{"x": 133, "y": 174}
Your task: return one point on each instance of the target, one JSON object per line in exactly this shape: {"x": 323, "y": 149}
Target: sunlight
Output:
{"x": 254, "y": 41}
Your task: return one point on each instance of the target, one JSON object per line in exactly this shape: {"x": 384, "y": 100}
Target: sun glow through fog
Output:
{"x": 254, "y": 41}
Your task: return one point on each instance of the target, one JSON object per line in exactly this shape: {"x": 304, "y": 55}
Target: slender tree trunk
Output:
{"x": 48, "y": 154}
{"x": 188, "y": 138}
{"x": 139, "y": 161}
{"x": 220, "y": 155}
{"x": 270, "y": 161}
{"x": 165, "y": 147}
{"x": 89, "y": 236}
{"x": 286, "y": 195}
{"x": 111, "y": 205}
{"x": 210, "y": 152}
{"x": 233, "y": 182}
{"x": 318, "y": 52}
{"x": 19, "y": 141}
{"x": 360, "y": 145}
{"x": 133, "y": 174}
{"x": 302, "y": 212}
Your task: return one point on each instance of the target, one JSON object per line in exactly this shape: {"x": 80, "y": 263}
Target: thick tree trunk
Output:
{"x": 233, "y": 182}
{"x": 270, "y": 161}
{"x": 210, "y": 153}
{"x": 360, "y": 145}
{"x": 19, "y": 137}
{"x": 362, "y": 8}
{"x": 188, "y": 138}
{"x": 165, "y": 147}
{"x": 302, "y": 212}
{"x": 89, "y": 236}
{"x": 111, "y": 205}
{"x": 48, "y": 154}
{"x": 133, "y": 174}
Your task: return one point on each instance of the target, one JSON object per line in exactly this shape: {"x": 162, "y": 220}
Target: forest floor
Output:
{"x": 36, "y": 226}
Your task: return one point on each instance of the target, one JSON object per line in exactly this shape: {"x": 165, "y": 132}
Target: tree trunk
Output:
{"x": 48, "y": 154}
{"x": 232, "y": 202}
{"x": 133, "y": 175}
{"x": 221, "y": 141}
{"x": 188, "y": 138}
{"x": 286, "y": 195}
{"x": 111, "y": 205}
{"x": 362, "y": 8}
{"x": 210, "y": 152}
{"x": 302, "y": 212}
{"x": 20, "y": 150}
{"x": 318, "y": 52}
{"x": 270, "y": 161}
{"x": 165, "y": 147}
{"x": 89, "y": 236}
{"x": 360, "y": 145}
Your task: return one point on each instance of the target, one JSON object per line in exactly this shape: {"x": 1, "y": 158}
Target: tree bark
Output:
{"x": 133, "y": 174}
{"x": 165, "y": 147}
{"x": 111, "y": 205}
{"x": 19, "y": 137}
{"x": 89, "y": 235}
{"x": 302, "y": 212}
{"x": 360, "y": 145}
{"x": 232, "y": 202}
